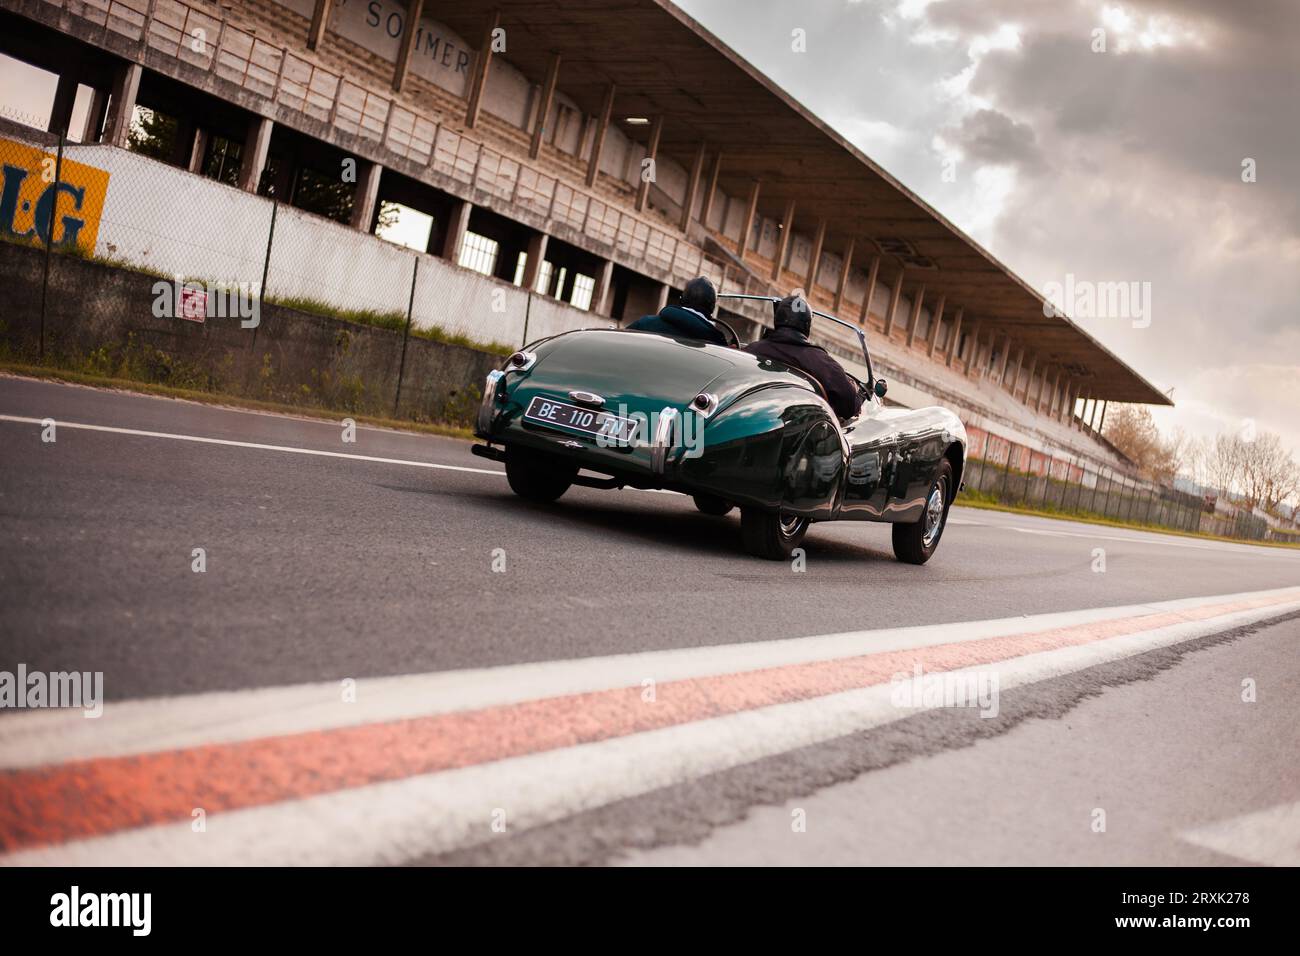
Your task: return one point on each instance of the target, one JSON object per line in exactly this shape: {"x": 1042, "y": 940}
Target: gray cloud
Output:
{"x": 1127, "y": 165}
{"x": 988, "y": 136}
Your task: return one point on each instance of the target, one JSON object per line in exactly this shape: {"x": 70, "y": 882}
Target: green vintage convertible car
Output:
{"x": 612, "y": 408}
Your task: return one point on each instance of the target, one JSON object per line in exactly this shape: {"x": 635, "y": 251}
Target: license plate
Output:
{"x": 549, "y": 411}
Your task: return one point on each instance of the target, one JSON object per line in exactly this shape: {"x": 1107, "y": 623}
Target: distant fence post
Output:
{"x": 528, "y": 308}
{"x": 406, "y": 335}
{"x": 1047, "y": 478}
{"x": 49, "y": 241}
{"x": 1105, "y": 502}
{"x": 1006, "y": 475}
{"x": 266, "y": 263}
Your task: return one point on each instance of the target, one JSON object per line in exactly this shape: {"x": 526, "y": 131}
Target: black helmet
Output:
{"x": 792, "y": 312}
{"x": 700, "y": 295}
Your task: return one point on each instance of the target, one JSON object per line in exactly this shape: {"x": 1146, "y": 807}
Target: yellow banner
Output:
{"x": 29, "y": 193}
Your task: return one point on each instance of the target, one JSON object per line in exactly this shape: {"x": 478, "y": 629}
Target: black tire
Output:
{"x": 712, "y": 505}
{"x": 537, "y": 477}
{"x": 771, "y": 535}
{"x": 916, "y": 542}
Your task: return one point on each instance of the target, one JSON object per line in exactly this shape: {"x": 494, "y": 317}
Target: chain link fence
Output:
{"x": 193, "y": 247}
{"x": 1064, "y": 487}
{"x": 128, "y": 209}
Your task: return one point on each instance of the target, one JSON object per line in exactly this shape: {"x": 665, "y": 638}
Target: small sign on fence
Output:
{"x": 193, "y": 304}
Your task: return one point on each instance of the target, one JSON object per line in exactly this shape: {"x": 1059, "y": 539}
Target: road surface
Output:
{"x": 388, "y": 658}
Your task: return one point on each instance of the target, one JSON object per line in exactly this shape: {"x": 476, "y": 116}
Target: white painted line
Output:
{"x": 1134, "y": 537}
{"x": 1269, "y": 837}
{"x": 248, "y": 444}
{"x": 36, "y": 737}
{"x": 401, "y": 820}
{"x": 286, "y": 448}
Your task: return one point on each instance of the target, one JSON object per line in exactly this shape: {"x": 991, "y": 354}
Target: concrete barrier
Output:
{"x": 100, "y": 318}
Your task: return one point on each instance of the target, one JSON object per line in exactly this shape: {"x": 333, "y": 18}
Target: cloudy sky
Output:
{"x": 1123, "y": 165}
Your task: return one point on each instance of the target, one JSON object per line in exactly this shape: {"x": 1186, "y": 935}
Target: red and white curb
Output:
{"x": 426, "y": 763}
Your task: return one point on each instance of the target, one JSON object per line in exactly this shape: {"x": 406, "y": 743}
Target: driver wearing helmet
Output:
{"x": 693, "y": 319}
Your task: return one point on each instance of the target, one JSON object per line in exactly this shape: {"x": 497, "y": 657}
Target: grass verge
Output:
{"x": 966, "y": 500}
{"x": 229, "y": 401}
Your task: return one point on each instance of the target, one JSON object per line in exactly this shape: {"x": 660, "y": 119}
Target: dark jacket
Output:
{"x": 790, "y": 347}
{"x": 682, "y": 323}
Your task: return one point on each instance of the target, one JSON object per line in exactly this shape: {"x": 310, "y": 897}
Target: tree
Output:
{"x": 1132, "y": 430}
{"x": 1223, "y": 460}
{"x": 1268, "y": 473}
{"x": 152, "y": 133}
{"x": 1257, "y": 471}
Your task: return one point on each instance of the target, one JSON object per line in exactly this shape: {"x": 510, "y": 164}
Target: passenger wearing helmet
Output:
{"x": 787, "y": 342}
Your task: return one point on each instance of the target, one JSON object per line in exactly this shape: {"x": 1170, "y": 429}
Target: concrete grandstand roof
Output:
{"x": 663, "y": 62}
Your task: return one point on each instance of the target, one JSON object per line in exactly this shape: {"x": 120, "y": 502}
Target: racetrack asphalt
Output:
{"x": 375, "y": 558}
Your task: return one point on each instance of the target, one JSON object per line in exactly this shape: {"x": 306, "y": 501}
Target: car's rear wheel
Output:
{"x": 537, "y": 477}
{"x": 712, "y": 505}
{"x": 770, "y": 534}
{"x": 914, "y": 543}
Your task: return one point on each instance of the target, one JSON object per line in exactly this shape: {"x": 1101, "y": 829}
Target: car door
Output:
{"x": 873, "y": 441}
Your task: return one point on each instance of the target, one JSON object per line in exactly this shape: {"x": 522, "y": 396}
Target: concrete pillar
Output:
{"x": 544, "y": 110}
{"x": 954, "y": 337}
{"x": 457, "y": 223}
{"x": 1029, "y": 379}
{"x": 253, "y": 156}
{"x": 872, "y": 275}
{"x": 414, "y": 9}
{"x": 711, "y": 189}
{"x": 598, "y": 143}
{"x": 198, "y": 149}
{"x": 815, "y": 258}
{"x": 1015, "y": 371}
{"x": 126, "y": 85}
{"x": 536, "y": 254}
{"x": 1042, "y": 390}
{"x": 692, "y": 187}
{"x": 846, "y": 267}
{"x": 918, "y": 298}
{"x": 783, "y": 241}
{"x": 747, "y": 223}
{"x": 936, "y": 319}
{"x": 1067, "y": 407}
{"x": 604, "y": 286}
{"x": 319, "y": 19}
{"x": 1101, "y": 423}
{"x": 662, "y": 299}
{"x": 366, "y": 196}
{"x": 1005, "y": 359}
{"x": 895, "y": 294}
{"x": 972, "y": 353}
{"x": 95, "y": 116}
{"x": 65, "y": 97}
{"x": 651, "y": 153}
{"x": 479, "y": 80}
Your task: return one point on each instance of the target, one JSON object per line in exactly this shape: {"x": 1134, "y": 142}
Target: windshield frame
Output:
{"x": 856, "y": 330}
